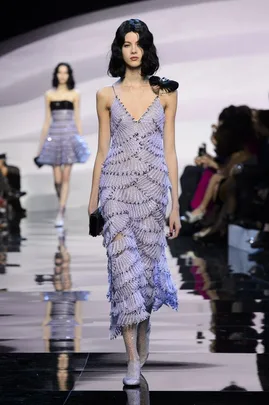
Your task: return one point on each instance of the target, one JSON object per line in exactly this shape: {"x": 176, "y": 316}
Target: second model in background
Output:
{"x": 61, "y": 143}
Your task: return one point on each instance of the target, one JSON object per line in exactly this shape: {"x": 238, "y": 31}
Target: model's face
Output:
{"x": 131, "y": 51}
{"x": 62, "y": 74}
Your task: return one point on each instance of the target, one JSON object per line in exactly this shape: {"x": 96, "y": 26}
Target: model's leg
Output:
{"x": 143, "y": 335}
{"x": 66, "y": 172}
{"x": 65, "y": 186}
{"x": 57, "y": 174}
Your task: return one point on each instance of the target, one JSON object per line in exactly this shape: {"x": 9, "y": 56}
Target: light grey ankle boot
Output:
{"x": 129, "y": 334}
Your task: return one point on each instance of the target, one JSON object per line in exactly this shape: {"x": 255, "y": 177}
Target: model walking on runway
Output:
{"x": 61, "y": 144}
{"x": 135, "y": 166}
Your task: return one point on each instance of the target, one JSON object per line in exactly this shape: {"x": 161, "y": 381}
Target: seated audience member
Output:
{"x": 233, "y": 142}
{"x": 13, "y": 178}
{"x": 4, "y": 187}
{"x": 236, "y": 143}
{"x": 210, "y": 166}
{"x": 3, "y": 205}
{"x": 235, "y": 179}
{"x": 194, "y": 182}
{"x": 261, "y": 118}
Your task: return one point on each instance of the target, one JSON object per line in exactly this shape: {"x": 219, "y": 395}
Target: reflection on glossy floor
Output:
{"x": 54, "y": 338}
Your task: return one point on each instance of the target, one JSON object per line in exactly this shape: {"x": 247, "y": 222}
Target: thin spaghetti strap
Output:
{"x": 114, "y": 90}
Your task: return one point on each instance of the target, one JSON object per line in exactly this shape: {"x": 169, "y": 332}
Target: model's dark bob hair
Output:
{"x": 150, "y": 60}
{"x": 70, "y": 81}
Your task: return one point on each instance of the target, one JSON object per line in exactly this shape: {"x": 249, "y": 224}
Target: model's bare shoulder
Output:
{"x": 49, "y": 94}
{"x": 169, "y": 100}
{"x": 76, "y": 92}
{"x": 169, "y": 97}
{"x": 105, "y": 92}
{"x": 105, "y": 95}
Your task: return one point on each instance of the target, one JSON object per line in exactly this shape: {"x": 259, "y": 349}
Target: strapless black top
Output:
{"x": 61, "y": 105}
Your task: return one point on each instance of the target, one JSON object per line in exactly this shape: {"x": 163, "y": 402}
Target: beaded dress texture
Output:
{"x": 63, "y": 144}
{"x": 133, "y": 196}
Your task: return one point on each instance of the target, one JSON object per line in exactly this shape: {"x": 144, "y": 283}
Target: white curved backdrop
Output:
{"x": 217, "y": 50}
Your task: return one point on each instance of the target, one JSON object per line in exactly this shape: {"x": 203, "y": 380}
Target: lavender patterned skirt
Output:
{"x": 138, "y": 275}
{"x": 63, "y": 145}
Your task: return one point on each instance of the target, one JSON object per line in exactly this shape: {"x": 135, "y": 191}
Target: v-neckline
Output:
{"x": 130, "y": 115}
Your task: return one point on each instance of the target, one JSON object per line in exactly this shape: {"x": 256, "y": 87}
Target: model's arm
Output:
{"x": 103, "y": 114}
{"x": 77, "y": 112}
{"x": 169, "y": 145}
{"x": 46, "y": 123}
{"x": 171, "y": 158}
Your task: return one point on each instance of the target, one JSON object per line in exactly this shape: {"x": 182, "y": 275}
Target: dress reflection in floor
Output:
{"x": 62, "y": 323}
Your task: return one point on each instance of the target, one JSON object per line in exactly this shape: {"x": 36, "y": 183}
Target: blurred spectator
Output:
{"x": 237, "y": 186}
{"x": 13, "y": 180}
{"x": 11, "y": 211}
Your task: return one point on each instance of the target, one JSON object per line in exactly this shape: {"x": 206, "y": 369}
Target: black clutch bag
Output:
{"x": 96, "y": 223}
{"x": 37, "y": 163}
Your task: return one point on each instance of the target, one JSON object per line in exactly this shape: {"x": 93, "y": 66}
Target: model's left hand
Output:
{"x": 174, "y": 224}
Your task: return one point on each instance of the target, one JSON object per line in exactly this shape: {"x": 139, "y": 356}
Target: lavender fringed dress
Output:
{"x": 133, "y": 195}
{"x": 63, "y": 145}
